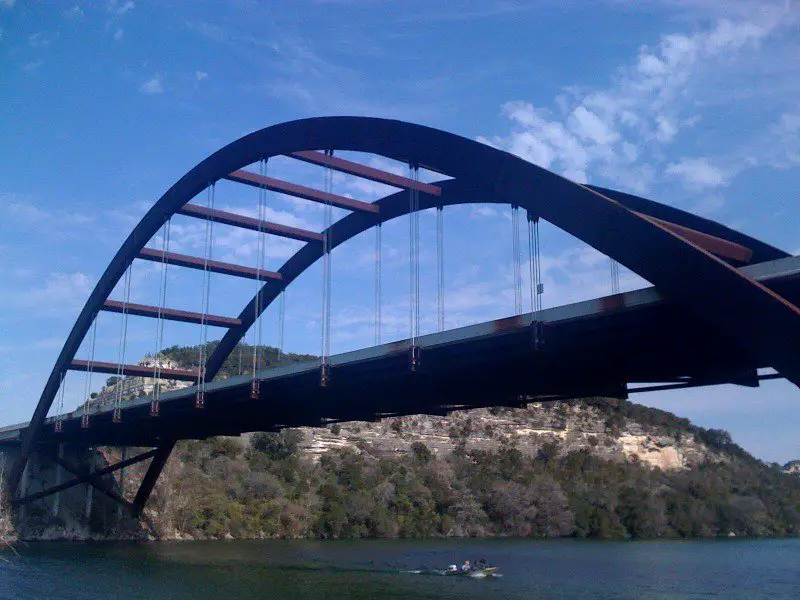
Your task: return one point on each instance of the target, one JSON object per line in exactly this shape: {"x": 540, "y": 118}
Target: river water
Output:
{"x": 241, "y": 570}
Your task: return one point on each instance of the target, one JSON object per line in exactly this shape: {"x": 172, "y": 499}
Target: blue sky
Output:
{"x": 106, "y": 104}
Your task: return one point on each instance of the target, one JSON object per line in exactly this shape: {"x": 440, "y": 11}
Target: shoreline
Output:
{"x": 11, "y": 541}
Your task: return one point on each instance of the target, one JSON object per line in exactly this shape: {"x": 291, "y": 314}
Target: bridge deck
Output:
{"x": 594, "y": 347}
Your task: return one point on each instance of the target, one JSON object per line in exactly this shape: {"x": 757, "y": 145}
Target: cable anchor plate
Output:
{"x": 415, "y": 358}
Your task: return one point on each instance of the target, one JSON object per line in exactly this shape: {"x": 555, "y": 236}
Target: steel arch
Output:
{"x": 616, "y": 224}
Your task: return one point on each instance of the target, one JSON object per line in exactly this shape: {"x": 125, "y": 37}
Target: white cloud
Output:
{"x": 38, "y": 40}
{"x": 783, "y": 142}
{"x": 32, "y": 65}
{"x": 60, "y": 292}
{"x": 117, "y": 10}
{"x": 708, "y": 205}
{"x": 588, "y": 126}
{"x": 8, "y": 3}
{"x": 697, "y": 173}
{"x": 152, "y": 87}
{"x": 120, "y": 8}
{"x": 74, "y": 13}
{"x": 484, "y": 211}
{"x": 200, "y": 75}
{"x": 790, "y": 123}
{"x": 619, "y": 134}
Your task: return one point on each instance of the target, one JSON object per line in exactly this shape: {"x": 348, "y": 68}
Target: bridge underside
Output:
{"x": 591, "y": 348}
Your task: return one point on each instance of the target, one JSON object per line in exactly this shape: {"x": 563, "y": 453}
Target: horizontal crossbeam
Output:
{"x": 84, "y": 478}
{"x": 711, "y": 243}
{"x": 91, "y": 479}
{"x": 365, "y": 172}
{"x": 691, "y": 384}
{"x": 300, "y": 191}
{"x": 170, "y": 314}
{"x": 228, "y": 218}
{"x": 215, "y": 266}
{"x": 133, "y": 370}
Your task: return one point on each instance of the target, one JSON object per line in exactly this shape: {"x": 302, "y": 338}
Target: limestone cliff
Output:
{"x": 589, "y": 425}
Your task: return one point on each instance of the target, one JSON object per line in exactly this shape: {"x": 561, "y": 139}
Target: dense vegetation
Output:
{"x": 240, "y": 360}
{"x": 264, "y": 487}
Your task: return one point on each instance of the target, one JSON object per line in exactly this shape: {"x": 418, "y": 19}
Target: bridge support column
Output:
{"x": 59, "y": 480}
{"x": 89, "y": 498}
{"x": 123, "y": 458}
{"x": 24, "y": 484}
{"x": 153, "y": 471}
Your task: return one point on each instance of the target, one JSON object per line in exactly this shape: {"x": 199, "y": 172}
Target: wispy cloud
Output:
{"x": 57, "y": 296}
{"x": 620, "y": 134}
{"x": 152, "y": 87}
{"x": 32, "y": 65}
{"x": 117, "y": 11}
{"x": 74, "y": 13}
{"x": 697, "y": 173}
{"x": 39, "y": 40}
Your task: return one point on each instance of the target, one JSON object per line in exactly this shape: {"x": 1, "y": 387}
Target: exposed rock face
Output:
{"x": 574, "y": 426}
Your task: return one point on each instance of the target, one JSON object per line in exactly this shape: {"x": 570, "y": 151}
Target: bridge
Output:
{"x": 722, "y": 309}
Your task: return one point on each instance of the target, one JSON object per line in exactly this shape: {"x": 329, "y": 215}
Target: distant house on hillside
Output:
{"x": 792, "y": 467}
{"x": 131, "y": 387}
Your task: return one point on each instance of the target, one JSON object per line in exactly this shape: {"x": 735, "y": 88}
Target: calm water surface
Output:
{"x": 379, "y": 569}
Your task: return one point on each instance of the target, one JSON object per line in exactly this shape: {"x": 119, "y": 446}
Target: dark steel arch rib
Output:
{"x": 748, "y": 313}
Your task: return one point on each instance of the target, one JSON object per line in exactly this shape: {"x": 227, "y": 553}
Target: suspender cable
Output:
{"x": 256, "y": 356}
{"x": 326, "y": 277}
{"x": 60, "y": 407}
{"x": 88, "y": 387}
{"x": 614, "y": 276}
{"x": 515, "y": 249}
{"x": 413, "y": 195}
{"x": 281, "y": 321}
{"x": 162, "y": 298}
{"x": 123, "y": 342}
{"x": 200, "y": 397}
{"x": 378, "y": 291}
{"x": 262, "y": 261}
{"x": 531, "y": 265}
{"x": 440, "y": 263}
{"x": 537, "y": 287}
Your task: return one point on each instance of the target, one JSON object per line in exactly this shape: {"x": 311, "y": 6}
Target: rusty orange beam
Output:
{"x": 215, "y": 266}
{"x": 365, "y": 172}
{"x": 132, "y": 370}
{"x": 711, "y": 243}
{"x": 170, "y": 314}
{"x": 300, "y": 191}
